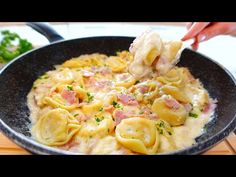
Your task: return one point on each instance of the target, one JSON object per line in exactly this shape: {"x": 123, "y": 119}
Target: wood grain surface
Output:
{"x": 226, "y": 147}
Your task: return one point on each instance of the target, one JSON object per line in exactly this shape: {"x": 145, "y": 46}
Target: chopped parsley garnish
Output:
{"x": 101, "y": 109}
{"x": 161, "y": 131}
{"x": 69, "y": 87}
{"x": 76, "y": 115}
{"x": 161, "y": 124}
{"x": 116, "y": 105}
{"x": 193, "y": 115}
{"x": 44, "y": 77}
{"x": 141, "y": 112}
{"x": 137, "y": 82}
{"x": 135, "y": 94}
{"x": 97, "y": 119}
{"x": 90, "y": 97}
{"x": 170, "y": 133}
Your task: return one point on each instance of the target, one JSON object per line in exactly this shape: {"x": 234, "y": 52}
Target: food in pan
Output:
{"x": 99, "y": 104}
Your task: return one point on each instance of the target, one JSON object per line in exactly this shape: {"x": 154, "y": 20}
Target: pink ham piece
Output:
{"x": 118, "y": 116}
{"x": 69, "y": 96}
{"x": 188, "y": 107}
{"x": 143, "y": 88}
{"x": 81, "y": 117}
{"x": 210, "y": 106}
{"x": 109, "y": 109}
{"x": 105, "y": 71}
{"x": 172, "y": 103}
{"x": 102, "y": 84}
{"x": 127, "y": 100}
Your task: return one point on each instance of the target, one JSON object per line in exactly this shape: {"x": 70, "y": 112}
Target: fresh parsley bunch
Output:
{"x": 12, "y": 45}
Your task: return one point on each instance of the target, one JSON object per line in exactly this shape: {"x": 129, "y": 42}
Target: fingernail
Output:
{"x": 201, "y": 38}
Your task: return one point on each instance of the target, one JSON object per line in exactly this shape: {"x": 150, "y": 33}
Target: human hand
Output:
{"x": 203, "y": 31}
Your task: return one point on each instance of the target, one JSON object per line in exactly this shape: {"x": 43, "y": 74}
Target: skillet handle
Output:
{"x": 46, "y": 30}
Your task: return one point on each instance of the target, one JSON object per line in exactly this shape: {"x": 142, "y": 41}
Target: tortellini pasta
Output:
{"x": 177, "y": 77}
{"x": 56, "y": 127}
{"x": 125, "y": 80}
{"x": 98, "y": 104}
{"x": 85, "y": 60}
{"x": 175, "y": 92}
{"x": 175, "y": 115}
{"x": 138, "y": 134}
{"x": 56, "y": 101}
{"x": 92, "y": 107}
{"x": 116, "y": 64}
{"x": 100, "y": 125}
{"x": 65, "y": 76}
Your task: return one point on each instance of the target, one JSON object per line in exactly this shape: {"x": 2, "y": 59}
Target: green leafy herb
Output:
{"x": 135, "y": 94}
{"x": 98, "y": 119}
{"x": 76, "y": 115}
{"x": 116, "y": 105}
{"x": 69, "y": 87}
{"x": 162, "y": 124}
{"x": 44, "y": 77}
{"x": 90, "y": 97}
{"x": 12, "y": 45}
{"x": 101, "y": 109}
{"x": 193, "y": 115}
{"x": 141, "y": 112}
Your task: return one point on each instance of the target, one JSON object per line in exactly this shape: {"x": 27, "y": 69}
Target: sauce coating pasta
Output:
{"x": 93, "y": 104}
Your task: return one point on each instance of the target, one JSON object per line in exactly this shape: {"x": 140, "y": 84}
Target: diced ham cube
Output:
{"x": 172, "y": 103}
{"x": 118, "y": 116}
{"x": 69, "y": 96}
{"x": 127, "y": 100}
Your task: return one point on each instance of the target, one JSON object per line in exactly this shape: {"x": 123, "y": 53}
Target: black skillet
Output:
{"x": 17, "y": 77}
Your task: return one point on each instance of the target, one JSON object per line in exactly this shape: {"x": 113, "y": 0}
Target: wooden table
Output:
{"x": 228, "y": 146}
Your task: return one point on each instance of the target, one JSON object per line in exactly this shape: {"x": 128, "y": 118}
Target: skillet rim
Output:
{"x": 35, "y": 147}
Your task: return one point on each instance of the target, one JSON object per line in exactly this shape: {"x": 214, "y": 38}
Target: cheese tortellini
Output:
{"x": 138, "y": 134}
{"x": 125, "y": 80}
{"x": 85, "y": 60}
{"x": 56, "y": 127}
{"x": 116, "y": 64}
{"x": 100, "y": 125}
{"x": 131, "y": 103}
{"x": 170, "y": 110}
{"x": 177, "y": 77}
{"x": 147, "y": 49}
{"x": 175, "y": 92}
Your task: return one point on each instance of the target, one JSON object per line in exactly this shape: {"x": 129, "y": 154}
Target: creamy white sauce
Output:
{"x": 141, "y": 48}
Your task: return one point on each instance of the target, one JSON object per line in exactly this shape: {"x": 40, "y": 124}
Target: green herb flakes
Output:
{"x": 193, "y": 115}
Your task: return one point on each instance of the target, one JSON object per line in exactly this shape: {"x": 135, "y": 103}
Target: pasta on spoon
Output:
{"x": 151, "y": 52}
